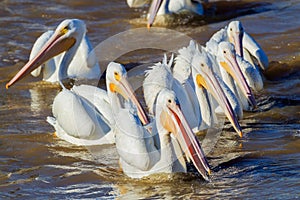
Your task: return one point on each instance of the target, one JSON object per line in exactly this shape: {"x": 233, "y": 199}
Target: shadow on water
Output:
{"x": 282, "y": 86}
{"x": 278, "y": 71}
{"x": 225, "y": 10}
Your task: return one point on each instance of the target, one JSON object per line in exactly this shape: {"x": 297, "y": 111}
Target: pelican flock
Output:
{"x": 183, "y": 95}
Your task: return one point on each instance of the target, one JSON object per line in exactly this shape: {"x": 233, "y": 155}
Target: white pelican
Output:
{"x": 162, "y": 7}
{"x": 204, "y": 77}
{"x": 244, "y": 44}
{"x": 139, "y": 157}
{"x": 84, "y": 116}
{"x": 188, "y": 66}
{"x": 70, "y": 39}
{"x": 233, "y": 70}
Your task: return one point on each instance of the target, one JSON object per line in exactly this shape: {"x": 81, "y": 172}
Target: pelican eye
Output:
{"x": 117, "y": 76}
{"x": 224, "y": 51}
{"x": 64, "y": 30}
{"x": 202, "y": 65}
{"x": 230, "y": 29}
{"x": 170, "y": 101}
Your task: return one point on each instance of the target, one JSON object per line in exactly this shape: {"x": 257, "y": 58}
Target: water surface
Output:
{"x": 263, "y": 164}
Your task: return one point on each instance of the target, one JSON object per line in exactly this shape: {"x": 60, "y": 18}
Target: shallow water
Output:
{"x": 263, "y": 164}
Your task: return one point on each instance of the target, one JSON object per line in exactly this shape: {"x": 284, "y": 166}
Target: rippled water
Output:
{"x": 263, "y": 164}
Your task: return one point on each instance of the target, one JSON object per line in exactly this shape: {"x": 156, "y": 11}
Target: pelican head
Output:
{"x": 235, "y": 32}
{"x": 173, "y": 121}
{"x": 66, "y": 38}
{"x": 117, "y": 82}
{"x": 227, "y": 59}
{"x": 205, "y": 77}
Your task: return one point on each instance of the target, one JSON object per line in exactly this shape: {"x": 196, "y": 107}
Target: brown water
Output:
{"x": 263, "y": 164}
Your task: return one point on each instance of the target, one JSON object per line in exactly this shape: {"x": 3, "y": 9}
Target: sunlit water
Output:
{"x": 263, "y": 164}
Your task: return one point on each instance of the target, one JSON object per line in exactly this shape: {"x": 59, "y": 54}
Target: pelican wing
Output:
{"x": 77, "y": 117}
{"x": 109, "y": 138}
{"x": 98, "y": 98}
{"x": 252, "y": 48}
{"x": 252, "y": 74}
